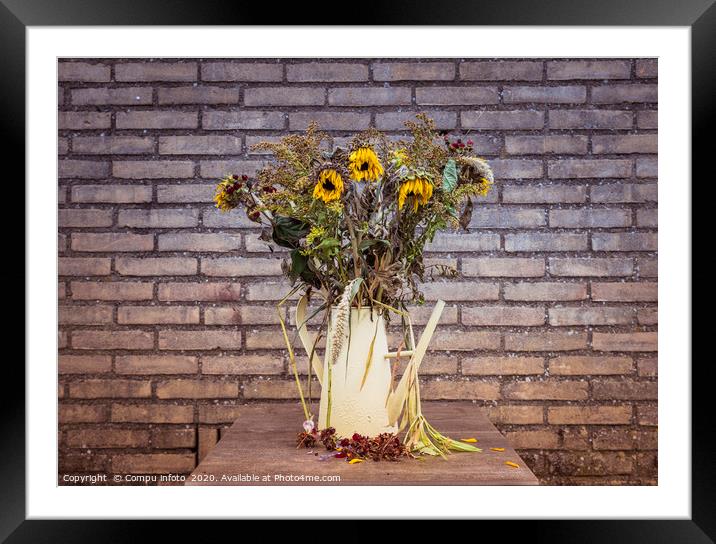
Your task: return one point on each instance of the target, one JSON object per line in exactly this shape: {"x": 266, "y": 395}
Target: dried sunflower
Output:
{"x": 363, "y": 164}
{"x": 329, "y": 186}
{"x": 476, "y": 171}
{"x": 418, "y": 189}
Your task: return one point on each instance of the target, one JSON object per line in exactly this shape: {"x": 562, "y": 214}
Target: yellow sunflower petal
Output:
{"x": 511, "y": 464}
{"x": 469, "y": 440}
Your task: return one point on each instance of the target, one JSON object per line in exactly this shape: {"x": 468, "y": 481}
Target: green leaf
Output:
{"x": 299, "y": 264}
{"x": 287, "y": 231}
{"x": 450, "y": 176}
{"x": 328, "y": 244}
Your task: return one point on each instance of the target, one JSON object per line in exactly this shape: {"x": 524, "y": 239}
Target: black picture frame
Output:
{"x": 16, "y": 15}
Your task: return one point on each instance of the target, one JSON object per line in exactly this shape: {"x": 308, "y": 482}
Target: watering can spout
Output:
{"x": 396, "y": 399}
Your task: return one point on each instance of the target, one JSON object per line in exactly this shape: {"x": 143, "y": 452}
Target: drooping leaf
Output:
{"x": 466, "y": 214}
{"x": 287, "y": 231}
{"x": 299, "y": 264}
{"x": 367, "y": 243}
{"x": 450, "y": 175}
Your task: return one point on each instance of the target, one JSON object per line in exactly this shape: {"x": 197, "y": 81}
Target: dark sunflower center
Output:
{"x": 328, "y": 185}
{"x": 364, "y": 166}
{"x": 411, "y": 193}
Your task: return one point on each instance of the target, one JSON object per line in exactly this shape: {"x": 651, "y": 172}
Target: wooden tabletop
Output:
{"x": 260, "y": 449}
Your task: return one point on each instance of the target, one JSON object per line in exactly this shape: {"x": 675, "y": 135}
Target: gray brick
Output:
{"x": 504, "y": 217}
{"x": 503, "y": 70}
{"x": 647, "y": 119}
{"x": 186, "y": 193}
{"x": 157, "y": 119}
{"x": 548, "y": 194}
{"x": 112, "y": 97}
{"x": 241, "y": 71}
{"x": 83, "y": 120}
{"x": 330, "y": 120}
{"x": 243, "y": 120}
{"x": 575, "y": 94}
{"x": 624, "y": 241}
{"x": 647, "y": 217}
{"x": 200, "y": 145}
{"x": 369, "y": 96}
{"x": 158, "y": 218}
{"x": 516, "y": 168}
{"x": 198, "y": 95}
{"x": 589, "y": 168}
{"x": 616, "y": 94}
{"x": 516, "y": 267}
{"x": 68, "y": 168}
{"x": 584, "y": 315}
{"x": 82, "y": 71}
{"x": 326, "y": 71}
{"x": 588, "y": 69}
{"x": 624, "y": 192}
{"x": 112, "y": 145}
{"x": 413, "y": 71}
{"x": 285, "y": 96}
{"x": 503, "y": 120}
{"x": 590, "y": 218}
{"x": 538, "y": 145}
{"x": 598, "y": 267}
{"x": 647, "y": 167}
{"x": 448, "y": 96}
{"x": 152, "y": 169}
{"x": 625, "y": 143}
{"x": 546, "y": 242}
{"x": 647, "y": 68}
{"x": 545, "y": 291}
{"x": 464, "y": 242}
{"x": 156, "y": 71}
{"x": 112, "y": 194}
{"x": 590, "y": 119}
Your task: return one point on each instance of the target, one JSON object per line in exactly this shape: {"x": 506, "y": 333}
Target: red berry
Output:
{"x": 235, "y": 176}
{"x": 245, "y": 178}
{"x": 469, "y": 142}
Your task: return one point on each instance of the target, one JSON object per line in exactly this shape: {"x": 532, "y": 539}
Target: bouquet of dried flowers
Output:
{"x": 356, "y": 221}
{"x": 363, "y": 212}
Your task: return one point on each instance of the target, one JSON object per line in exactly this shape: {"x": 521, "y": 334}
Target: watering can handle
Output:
{"x": 396, "y": 399}
{"x": 308, "y": 339}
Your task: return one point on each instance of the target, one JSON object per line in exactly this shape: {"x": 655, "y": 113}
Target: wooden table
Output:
{"x": 259, "y": 449}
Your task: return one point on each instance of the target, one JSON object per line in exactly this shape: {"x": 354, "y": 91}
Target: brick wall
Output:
{"x": 166, "y": 310}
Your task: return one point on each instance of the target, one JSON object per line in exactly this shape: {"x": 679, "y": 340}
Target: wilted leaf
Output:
{"x": 299, "y": 263}
{"x": 287, "y": 231}
{"x": 466, "y": 214}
